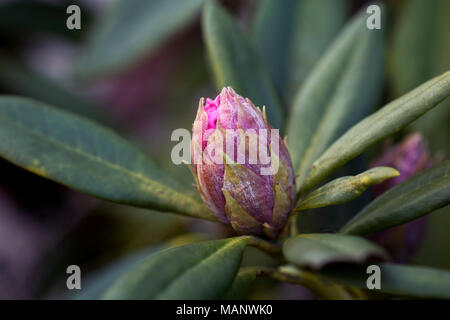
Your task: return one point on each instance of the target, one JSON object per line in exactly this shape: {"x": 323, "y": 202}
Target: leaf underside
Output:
{"x": 316, "y": 250}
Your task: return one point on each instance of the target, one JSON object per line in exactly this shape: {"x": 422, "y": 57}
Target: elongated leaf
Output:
{"x": 330, "y": 219}
{"x": 241, "y": 284}
{"x": 26, "y": 82}
{"x": 386, "y": 121}
{"x": 419, "y": 195}
{"x": 96, "y": 285}
{"x": 300, "y": 31}
{"x": 421, "y": 46}
{"x": 315, "y": 250}
{"x": 197, "y": 271}
{"x": 399, "y": 280}
{"x": 87, "y": 157}
{"x": 421, "y": 50}
{"x": 342, "y": 88}
{"x": 132, "y": 29}
{"x": 236, "y": 63}
{"x": 346, "y": 188}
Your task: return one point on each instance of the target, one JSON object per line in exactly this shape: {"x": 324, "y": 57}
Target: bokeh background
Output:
{"x": 145, "y": 95}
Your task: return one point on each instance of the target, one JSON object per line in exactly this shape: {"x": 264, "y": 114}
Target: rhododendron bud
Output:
{"x": 409, "y": 157}
{"x": 242, "y": 167}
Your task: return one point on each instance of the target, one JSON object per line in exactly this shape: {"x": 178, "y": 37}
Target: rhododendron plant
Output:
{"x": 273, "y": 175}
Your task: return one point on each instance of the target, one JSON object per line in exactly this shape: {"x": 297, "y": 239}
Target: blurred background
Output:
{"x": 140, "y": 67}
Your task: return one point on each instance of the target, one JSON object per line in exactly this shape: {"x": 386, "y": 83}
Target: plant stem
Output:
{"x": 290, "y": 229}
{"x": 293, "y": 225}
{"x": 266, "y": 246}
{"x": 322, "y": 288}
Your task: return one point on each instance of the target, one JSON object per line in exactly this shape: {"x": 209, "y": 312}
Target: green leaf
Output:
{"x": 300, "y": 31}
{"x": 25, "y": 81}
{"x": 87, "y": 157}
{"x": 236, "y": 63}
{"x": 202, "y": 270}
{"x": 345, "y": 189}
{"x": 381, "y": 124}
{"x": 417, "y": 196}
{"x": 399, "y": 280}
{"x": 241, "y": 284}
{"x": 98, "y": 282}
{"x": 421, "y": 50}
{"x": 342, "y": 88}
{"x": 421, "y": 46}
{"x": 316, "y": 250}
{"x": 130, "y": 30}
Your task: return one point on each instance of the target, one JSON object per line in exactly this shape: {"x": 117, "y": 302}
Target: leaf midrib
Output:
{"x": 338, "y": 185}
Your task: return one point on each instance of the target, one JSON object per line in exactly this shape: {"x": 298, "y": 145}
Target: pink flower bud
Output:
{"x": 409, "y": 157}
{"x": 242, "y": 167}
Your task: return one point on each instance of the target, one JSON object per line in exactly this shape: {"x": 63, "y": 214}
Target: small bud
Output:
{"x": 409, "y": 157}
{"x": 242, "y": 167}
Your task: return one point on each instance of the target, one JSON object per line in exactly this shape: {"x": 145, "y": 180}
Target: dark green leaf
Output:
{"x": 381, "y": 124}
{"x": 421, "y": 50}
{"x": 132, "y": 29}
{"x": 342, "y": 88}
{"x": 96, "y": 284}
{"x": 421, "y": 46}
{"x": 399, "y": 280}
{"x": 241, "y": 284}
{"x": 316, "y": 250}
{"x": 87, "y": 157}
{"x": 99, "y": 282}
{"x": 202, "y": 270}
{"x": 300, "y": 31}
{"x": 419, "y": 195}
{"x": 345, "y": 189}
{"x": 236, "y": 63}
